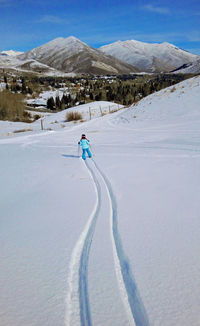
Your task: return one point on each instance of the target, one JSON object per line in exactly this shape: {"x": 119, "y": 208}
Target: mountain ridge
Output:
{"x": 145, "y": 55}
{"x": 71, "y": 55}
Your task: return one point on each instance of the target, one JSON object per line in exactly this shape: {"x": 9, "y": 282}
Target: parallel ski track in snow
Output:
{"x": 78, "y": 278}
{"x": 135, "y": 303}
{"x": 85, "y": 315}
{"x": 78, "y": 299}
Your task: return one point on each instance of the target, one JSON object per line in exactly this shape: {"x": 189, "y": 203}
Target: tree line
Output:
{"x": 122, "y": 91}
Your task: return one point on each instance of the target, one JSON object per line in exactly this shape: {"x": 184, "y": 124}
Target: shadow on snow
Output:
{"x": 71, "y": 156}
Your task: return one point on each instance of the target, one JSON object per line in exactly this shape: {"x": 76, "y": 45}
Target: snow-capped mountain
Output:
{"x": 11, "y": 53}
{"x": 72, "y": 55}
{"x": 12, "y": 62}
{"x": 189, "y": 68}
{"x": 147, "y": 57}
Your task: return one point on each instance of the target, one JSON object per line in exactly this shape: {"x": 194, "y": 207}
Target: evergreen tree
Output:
{"x": 24, "y": 90}
{"x": 58, "y": 103}
{"x": 30, "y": 91}
{"x": 91, "y": 96}
{"x": 51, "y": 103}
{"x": 62, "y": 104}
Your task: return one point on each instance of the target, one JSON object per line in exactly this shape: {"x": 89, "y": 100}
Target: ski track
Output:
{"x": 78, "y": 271}
{"x": 77, "y": 298}
{"x": 83, "y": 269}
{"x": 135, "y": 304}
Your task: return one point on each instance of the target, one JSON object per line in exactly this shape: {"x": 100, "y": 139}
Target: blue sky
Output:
{"x": 25, "y": 24}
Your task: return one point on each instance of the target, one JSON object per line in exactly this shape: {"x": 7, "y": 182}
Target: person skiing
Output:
{"x": 85, "y": 143}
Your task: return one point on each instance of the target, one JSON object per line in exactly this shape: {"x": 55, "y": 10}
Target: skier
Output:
{"x": 84, "y": 143}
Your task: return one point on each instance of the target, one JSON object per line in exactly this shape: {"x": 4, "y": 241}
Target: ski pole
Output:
{"x": 78, "y": 151}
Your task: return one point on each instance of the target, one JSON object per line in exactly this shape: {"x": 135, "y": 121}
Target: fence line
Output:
{"x": 104, "y": 110}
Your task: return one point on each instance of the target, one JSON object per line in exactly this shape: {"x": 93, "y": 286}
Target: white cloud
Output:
{"x": 51, "y": 19}
{"x": 193, "y": 36}
{"x": 194, "y": 51}
{"x": 188, "y": 37}
{"x": 156, "y": 9}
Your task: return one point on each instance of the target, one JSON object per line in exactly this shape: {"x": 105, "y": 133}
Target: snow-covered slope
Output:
{"x": 57, "y": 121}
{"x": 56, "y": 47}
{"x": 15, "y": 63}
{"x": 173, "y": 104}
{"x": 72, "y": 55}
{"x": 113, "y": 241}
{"x": 11, "y": 53}
{"x": 147, "y": 57}
{"x": 189, "y": 68}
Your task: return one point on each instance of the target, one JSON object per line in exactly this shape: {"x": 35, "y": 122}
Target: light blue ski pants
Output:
{"x": 86, "y": 150}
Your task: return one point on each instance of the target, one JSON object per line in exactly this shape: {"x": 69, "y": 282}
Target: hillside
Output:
{"x": 13, "y": 62}
{"x": 189, "y": 68}
{"x": 11, "y": 53}
{"x": 72, "y": 55}
{"x": 171, "y": 105}
{"x": 148, "y": 57}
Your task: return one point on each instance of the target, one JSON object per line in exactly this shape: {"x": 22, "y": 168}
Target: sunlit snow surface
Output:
{"x": 57, "y": 218}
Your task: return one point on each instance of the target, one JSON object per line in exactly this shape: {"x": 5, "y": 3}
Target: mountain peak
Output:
{"x": 70, "y": 54}
{"x": 170, "y": 45}
{"x": 149, "y": 57}
{"x": 61, "y": 43}
{"x": 73, "y": 38}
{"x": 11, "y": 53}
{"x": 56, "y": 40}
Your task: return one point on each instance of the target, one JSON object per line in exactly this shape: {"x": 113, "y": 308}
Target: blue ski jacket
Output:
{"x": 84, "y": 143}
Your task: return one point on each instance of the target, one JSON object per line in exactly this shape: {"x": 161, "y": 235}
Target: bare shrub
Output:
{"x": 37, "y": 117}
{"x": 12, "y": 107}
{"x": 173, "y": 89}
{"x": 113, "y": 111}
{"x": 26, "y": 117}
{"x": 73, "y": 116}
{"x": 23, "y": 130}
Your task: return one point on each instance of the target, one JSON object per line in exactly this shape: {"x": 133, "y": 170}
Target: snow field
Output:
{"x": 57, "y": 121}
{"x": 39, "y": 234}
{"x": 48, "y": 199}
